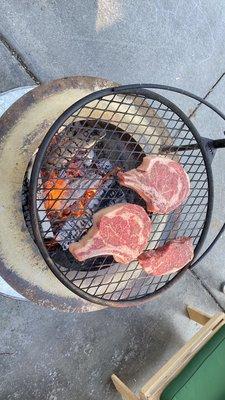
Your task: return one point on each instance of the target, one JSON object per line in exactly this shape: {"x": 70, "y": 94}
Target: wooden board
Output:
{"x": 154, "y": 387}
{"x": 125, "y": 392}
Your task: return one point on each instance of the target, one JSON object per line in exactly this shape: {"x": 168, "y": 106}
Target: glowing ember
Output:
{"x": 81, "y": 206}
{"x": 57, "y": 193}
{"x": 61, "y": 195}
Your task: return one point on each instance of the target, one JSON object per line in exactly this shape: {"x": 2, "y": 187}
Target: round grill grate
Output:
{"x": 74, "y": 176}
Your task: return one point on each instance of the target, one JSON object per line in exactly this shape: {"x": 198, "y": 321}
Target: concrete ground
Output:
{"x": 49, "y": 355}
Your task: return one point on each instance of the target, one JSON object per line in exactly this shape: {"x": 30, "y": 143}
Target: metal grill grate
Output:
{"x": 93, "y": 141}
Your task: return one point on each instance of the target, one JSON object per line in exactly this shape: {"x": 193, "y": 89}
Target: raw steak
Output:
{"x": 160, "y": 181}
{"x": 121, "y": 230}
{"x": 169, "y": 258}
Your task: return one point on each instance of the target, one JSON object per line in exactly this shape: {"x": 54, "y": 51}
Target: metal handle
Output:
{"x": 218, "y": 143}
{"x": 210, "y": 146}
{"x": 213, "y": 144}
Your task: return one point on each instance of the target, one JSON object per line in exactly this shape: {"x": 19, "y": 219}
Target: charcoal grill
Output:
{"x": 108, "y": 130}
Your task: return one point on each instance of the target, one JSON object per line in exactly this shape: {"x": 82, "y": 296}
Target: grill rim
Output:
{"x": 134, "y": 89}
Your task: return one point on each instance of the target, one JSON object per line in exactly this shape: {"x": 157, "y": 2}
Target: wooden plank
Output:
{"x": 154, "y": 387}
{"x": 198, "y": 316}
{"x": 125, "y": 392}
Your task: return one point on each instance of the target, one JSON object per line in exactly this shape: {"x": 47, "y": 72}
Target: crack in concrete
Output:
{"x": 207, "y": 289}
{"x": 206, "y": 95}
{"x": 19, "y": 59}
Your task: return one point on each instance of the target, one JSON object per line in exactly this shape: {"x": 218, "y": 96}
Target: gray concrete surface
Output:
{"x": 51, "y": 355}
{"x": 162, "y": 41}
{"x": 212, "y": 269}
{"x": 11, "y": 72}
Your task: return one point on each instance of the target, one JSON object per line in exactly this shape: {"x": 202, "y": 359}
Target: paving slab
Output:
{"x": 212, "y": 269}
{"x": 11, "y": 73}
{"x": 50, "y": 355}
{"x": 179, "y": 43}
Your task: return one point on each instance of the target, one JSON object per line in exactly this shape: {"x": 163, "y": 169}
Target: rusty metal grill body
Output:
{"x": 106, "y": 131}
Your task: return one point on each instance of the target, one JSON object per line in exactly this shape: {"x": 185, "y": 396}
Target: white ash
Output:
{"x": 104, "y": 165}
{"x": 84, "y": 136}
{"x": 95, "y": 202}
{"x": 74, "y": 228}
{"x": 85, "y": 157}
{"x": 88, "y": 158}
{"x": 78, "y": 187}
{"x": 77, "y": 141}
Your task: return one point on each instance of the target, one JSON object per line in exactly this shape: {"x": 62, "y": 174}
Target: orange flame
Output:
{"x": 57, "y": 193}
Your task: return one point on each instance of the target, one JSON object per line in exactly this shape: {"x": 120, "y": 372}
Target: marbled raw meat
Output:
{"x": 121, "y": 230}
{"x": 169, "y": 258}
{"x": 160, "y": 181}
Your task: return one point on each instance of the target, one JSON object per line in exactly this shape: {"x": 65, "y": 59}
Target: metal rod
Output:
{"x": 215, "y": 144}
{"x": 173, "y": 89}
{"x": 218, "y": 143}
{"x": 166, "y": 149}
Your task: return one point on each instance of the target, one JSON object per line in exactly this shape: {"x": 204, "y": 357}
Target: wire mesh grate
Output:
{"x": 77, "y": 177}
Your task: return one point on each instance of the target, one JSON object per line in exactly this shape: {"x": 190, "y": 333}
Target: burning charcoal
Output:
{"x": 94, "y": 204}
{"x": 89, "y": 158}
{"x": 115, "y": 195}
{"x": 59, "y": 194}
{"x": 84, "y": 135}
{"x": 82, "y": 184}
{"x": 75, "y": 137}
{"x": 74, "y": 169}
{"x": 103, "y": 165}
{"x": 72, "y": 230}
{"x": 86, "y": 157}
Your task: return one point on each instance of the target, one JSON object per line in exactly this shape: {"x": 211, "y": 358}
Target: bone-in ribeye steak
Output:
{"x": 169, "y": 258}
{"x": 121, "y": 230}
{"x": 160, "y": 181}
